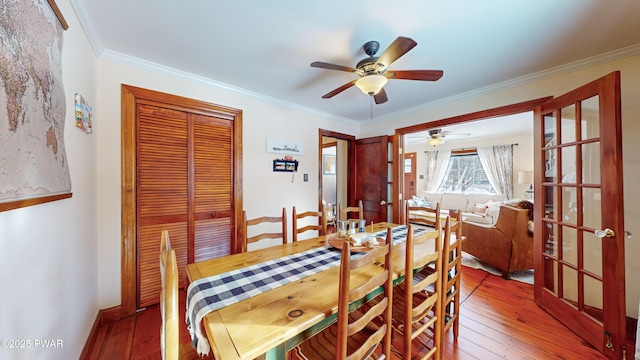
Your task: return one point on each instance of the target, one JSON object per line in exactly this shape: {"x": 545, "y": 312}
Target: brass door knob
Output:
{"x": 604, "y": 233}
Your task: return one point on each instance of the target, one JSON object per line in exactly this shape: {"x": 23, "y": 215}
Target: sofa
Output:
{"x": 507, "y": 245}
{"x": 476, "y": 208}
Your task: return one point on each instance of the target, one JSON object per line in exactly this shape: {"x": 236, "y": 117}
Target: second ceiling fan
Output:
{"x": 374, "y": 72}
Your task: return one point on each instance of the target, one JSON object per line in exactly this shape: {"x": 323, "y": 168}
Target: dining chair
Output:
{"x": 422, "y": 215}
{"x": 169, "y": 332}
{"x": 344, "y": 213}
{"x": 320, "y": 225}
{"x": 262, "y": 223}
{"x": 359, "y": 332}
{"x": 330, "y": 214}
{"x": 417, "y": 314}
{"x": 451, "y": 271}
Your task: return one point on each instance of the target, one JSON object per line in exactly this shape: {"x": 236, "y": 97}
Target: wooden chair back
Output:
{"x": 382, "y": 308}
{"x": 421, "y": 310}
{"x": 258, "y": 223}
{"x": 344, "y": 213}
{"x": 365, "y": 327}
{"x": 330, "y": 214}
{"x": 422, "y": 215}
{"x": 320, "y": 226}
{"x": 169, "y": 332}
{"x": 451, "y": 270}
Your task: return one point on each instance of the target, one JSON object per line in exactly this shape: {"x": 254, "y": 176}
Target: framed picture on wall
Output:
{"x": 329, "y": 164}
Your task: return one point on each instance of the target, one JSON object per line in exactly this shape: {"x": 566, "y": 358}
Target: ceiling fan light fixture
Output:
{"x": 435, "y": 141}
{"x": 371, "y": 84}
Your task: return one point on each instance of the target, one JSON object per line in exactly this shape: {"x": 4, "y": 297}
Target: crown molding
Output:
{"x": 201, "y": 80}
{"x": 89, "y": 26}
{"x": 86, "y": 20}
{"x": 619, "y": 54}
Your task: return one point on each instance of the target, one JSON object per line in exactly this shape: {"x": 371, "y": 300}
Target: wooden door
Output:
{"x": 213, "y": 182}
{"x": 369, "y": 177}
{"x": 163, "y": 188}
{"x": 579, "y": 242}
{"x": 185, "y": 185}
{"x": 182, "y": 162}
{"x": 409, "y": 189}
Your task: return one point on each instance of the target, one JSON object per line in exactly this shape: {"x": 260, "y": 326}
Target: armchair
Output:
{"x": 507, "y": 245}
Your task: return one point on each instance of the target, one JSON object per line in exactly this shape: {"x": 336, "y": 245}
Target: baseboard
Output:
{"x": 632, "y": 326}
{"x": 104, "y": 316}
{"x": 111, "y": 314}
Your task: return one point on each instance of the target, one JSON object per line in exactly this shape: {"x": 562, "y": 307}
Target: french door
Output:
{"x": 579, "y": 240}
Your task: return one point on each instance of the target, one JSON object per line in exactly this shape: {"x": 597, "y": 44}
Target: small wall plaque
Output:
{"x": 285, "y": 147}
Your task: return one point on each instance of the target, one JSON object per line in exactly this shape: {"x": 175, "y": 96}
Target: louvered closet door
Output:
{"x": 213, "y": 200}
{"x": 162, "y": 194}
{"x": 185, "y": 185}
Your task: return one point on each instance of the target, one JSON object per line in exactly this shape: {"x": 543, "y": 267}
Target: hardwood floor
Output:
{"x": 498, "y": 320}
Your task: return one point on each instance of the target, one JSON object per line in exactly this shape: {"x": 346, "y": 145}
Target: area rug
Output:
{"x": 525, "y": 276}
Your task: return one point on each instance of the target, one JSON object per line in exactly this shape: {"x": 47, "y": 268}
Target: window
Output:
{"x": 407, "y": 166}
{"x": 465, "y": 174}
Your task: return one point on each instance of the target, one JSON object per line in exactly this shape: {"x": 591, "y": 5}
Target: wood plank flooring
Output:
{"x": 498, "y": 320}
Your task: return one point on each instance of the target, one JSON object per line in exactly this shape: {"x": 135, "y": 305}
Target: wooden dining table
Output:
{"x": 273, "y": 322}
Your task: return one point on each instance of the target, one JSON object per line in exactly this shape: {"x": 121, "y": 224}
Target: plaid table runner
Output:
{"x": 399, "y": 233}
{"x": 215, "y": 292}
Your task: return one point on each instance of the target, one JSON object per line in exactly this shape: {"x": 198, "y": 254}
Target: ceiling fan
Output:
{"x": 437, "y": 136}
{"x": 374, "y": 73}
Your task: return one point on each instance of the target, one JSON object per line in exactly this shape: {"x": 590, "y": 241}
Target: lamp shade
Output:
{"x": 525, "y": 177}
{"x": 371, "y": 84}
{"x": 435, "y": 141}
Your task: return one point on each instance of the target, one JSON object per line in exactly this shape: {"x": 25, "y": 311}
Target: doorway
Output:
{"x": 551, "y": 292}
{"x": 333, "y": 168}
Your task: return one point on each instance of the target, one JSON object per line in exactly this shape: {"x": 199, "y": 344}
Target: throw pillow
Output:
{"x": 480, "y": 209}
{"x": 418, "y": 201}
{"x": 527, "y": 205}
{"x": 493, "y": 209}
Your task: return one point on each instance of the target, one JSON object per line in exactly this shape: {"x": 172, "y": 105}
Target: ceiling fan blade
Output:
{"x": 337, "y": 91}
{"x": 424, "y": 75}
{"x": 451, "y": 135}
{"x": 324, "y": 65}
{"x": 380, "y": 97}
{"x": 398, "y": 47}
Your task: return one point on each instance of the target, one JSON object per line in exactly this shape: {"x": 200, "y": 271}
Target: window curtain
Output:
{"x": 437, "y": 164}
{"x": 497, "y": 163}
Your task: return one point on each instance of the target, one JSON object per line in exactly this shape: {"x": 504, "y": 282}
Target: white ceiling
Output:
{"x": 263, "y": 49}
{"x": 489, "y": 128}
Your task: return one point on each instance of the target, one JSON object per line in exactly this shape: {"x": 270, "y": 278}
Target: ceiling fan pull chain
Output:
{"x": 371, "y": 108}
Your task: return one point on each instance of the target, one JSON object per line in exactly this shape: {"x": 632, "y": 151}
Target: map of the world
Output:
{"x": 33, "y": 162}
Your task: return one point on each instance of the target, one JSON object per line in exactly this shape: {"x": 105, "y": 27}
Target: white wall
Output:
{"x": 264, "y": 191}
{"x": 555, "y": 86}
{"x": 48, "y": 252}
